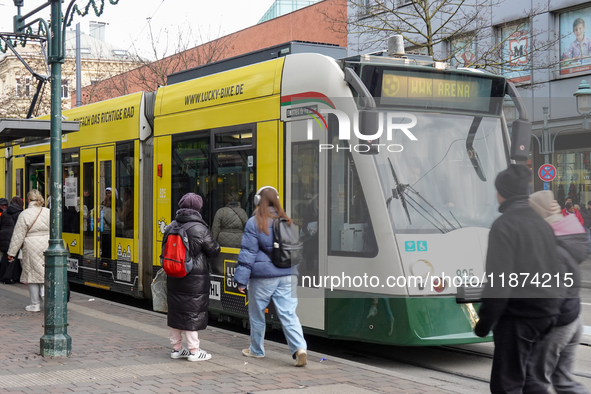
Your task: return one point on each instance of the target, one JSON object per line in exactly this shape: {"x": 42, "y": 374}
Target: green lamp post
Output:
{"x": 583, "y": 96}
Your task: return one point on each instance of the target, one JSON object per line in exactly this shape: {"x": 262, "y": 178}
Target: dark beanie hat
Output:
{"x": 191, "y": 201}
{"x": 514, "y": 181}
{"x": 3, "y": 201}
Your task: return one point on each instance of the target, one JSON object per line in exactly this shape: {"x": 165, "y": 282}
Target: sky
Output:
{"x": 129, "y": 21}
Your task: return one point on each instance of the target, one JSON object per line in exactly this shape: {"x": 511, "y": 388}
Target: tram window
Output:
{"x": 87, "y": 205}
{"x": 71, "y": 196}
{"x": 48, "y": 182}
{"x": 36, "y": 174}
{"x": 350, "y": 227}
{"x": 190, "y": 170}
{"x": 19, "y": 183}
{"x": 305, "y": 202}
{"x": 124, "y": 184}
{"x": 105, "y": 216}
{"x": 234, "y": 138}
{"x": 230, "y": 199}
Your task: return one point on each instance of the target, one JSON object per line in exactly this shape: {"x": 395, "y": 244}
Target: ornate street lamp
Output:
{"x": 583, "y": 96}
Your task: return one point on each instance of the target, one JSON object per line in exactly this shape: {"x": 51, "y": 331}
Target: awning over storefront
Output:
{"x": 13, "y": 131}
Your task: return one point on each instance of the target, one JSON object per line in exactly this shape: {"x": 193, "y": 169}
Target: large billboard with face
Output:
{"x": 575, "y": 41}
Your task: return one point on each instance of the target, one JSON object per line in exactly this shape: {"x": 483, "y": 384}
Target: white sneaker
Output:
{"x": 33, "y": 308}
{"x": 183, "y": 353}
{"x": 301, "y": 358}
{"x": 200, "y": 355}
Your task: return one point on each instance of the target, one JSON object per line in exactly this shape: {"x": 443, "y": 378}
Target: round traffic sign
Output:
{"x": 547, "y": 172}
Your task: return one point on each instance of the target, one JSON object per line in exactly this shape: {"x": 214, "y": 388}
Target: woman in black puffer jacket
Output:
{"x": 7, "y": 223}
{"x": 188, "y": 297}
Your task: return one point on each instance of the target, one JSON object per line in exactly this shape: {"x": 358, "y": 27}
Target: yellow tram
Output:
{"x": 230, "y": 131}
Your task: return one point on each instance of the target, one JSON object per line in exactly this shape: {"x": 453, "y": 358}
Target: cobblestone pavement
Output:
{"x": 120, "y": 349}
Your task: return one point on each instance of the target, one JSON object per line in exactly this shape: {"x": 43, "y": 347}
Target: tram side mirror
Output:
{"x": 520, "y": 139}
{"x": 369, "y": 120}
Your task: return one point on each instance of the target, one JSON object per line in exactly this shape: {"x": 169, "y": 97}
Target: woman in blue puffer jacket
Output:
{"x": 266, "y": 281}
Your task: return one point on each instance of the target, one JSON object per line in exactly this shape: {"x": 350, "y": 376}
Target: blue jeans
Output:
{"x": 282, "y": 291}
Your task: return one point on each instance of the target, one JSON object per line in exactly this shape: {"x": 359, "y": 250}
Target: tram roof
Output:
{"x": 12, "y": 131}
{"x": 261, "y": 55}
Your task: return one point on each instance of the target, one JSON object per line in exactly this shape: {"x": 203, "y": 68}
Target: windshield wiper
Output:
{"x": 401, "y": 191}
{"x": 398, "y": 192}
{"x": 441, "y": 225}
{"x": 472, "y": 154}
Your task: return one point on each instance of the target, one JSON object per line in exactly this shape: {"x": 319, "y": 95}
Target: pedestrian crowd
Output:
{"x": 536, "y": 328}
{"x": 188, "y": 296}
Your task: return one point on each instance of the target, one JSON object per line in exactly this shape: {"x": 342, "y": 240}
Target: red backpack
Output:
{"x": 176, "y": 257}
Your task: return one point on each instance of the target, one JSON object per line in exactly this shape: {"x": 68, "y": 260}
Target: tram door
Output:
{"x": 97, "y": 198}
{"x": 305, "y": 202}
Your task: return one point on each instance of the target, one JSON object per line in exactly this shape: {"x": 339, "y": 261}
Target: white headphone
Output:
{"x": 257, "y": 197}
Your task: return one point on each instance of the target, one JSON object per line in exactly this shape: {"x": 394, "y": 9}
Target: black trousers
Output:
{"x": 514, "y": 341}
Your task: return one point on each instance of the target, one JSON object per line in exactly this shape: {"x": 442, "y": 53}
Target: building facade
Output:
{"x": 282, "y": 7}
{"x": 543, "y": 47}
{"x": 99, "y": 61}
{"x": 315, "y": 23}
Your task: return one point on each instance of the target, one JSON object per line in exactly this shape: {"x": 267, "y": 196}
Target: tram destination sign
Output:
{"x": 450, "y": 91}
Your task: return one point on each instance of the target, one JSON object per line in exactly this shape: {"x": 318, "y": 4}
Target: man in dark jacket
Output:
{"x": 521, "y": 255}
{"x": 188, "y": 297}
{"x": 9, "y": 272}
{"x": 3, "y": 205}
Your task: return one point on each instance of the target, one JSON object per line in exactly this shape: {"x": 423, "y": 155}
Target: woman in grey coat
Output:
{"x": 228, "y": 224}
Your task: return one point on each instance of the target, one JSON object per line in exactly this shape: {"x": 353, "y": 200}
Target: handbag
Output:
{"x": 159, "y": 292}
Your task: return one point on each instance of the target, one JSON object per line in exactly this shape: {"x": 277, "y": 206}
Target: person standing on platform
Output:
{"x": 3, "y": 205}
{"x": 569, "y": 209}
{"x": 520, "y": 242}
{"x": 188, "y": 297}
{"x": 553, "y": 357}
{"x": 9, "y": 274}
{"x": 228, "y": 223}
{"x": 266, "y": 281}
{"x": 31, "y": 233}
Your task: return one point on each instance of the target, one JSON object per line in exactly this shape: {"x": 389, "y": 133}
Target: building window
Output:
{"x": 27, "y": 86}
{"x": 515, "y": 51}
{"x": 462, "y": 51}
{"x": 17, "y": 86}
{"x": 573, "y": 180}
{"x": 65, "y": 89}
{"x": 575, "y": 45}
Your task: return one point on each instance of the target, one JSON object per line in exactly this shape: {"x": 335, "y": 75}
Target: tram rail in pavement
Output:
{"x": 117, "y": 348}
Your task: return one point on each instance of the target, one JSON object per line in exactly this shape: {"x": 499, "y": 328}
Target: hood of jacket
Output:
{"x": 185, "y": 215}
{"x": 13, "y": 208}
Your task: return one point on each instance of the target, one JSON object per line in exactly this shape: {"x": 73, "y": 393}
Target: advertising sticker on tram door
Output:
{"x": 547, "y": 172}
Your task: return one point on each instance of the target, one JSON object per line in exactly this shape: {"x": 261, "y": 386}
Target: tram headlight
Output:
{"x": 422, "y": 268}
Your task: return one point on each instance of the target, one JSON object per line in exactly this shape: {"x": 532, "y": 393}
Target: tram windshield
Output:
{"x": 444, "y": 180}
